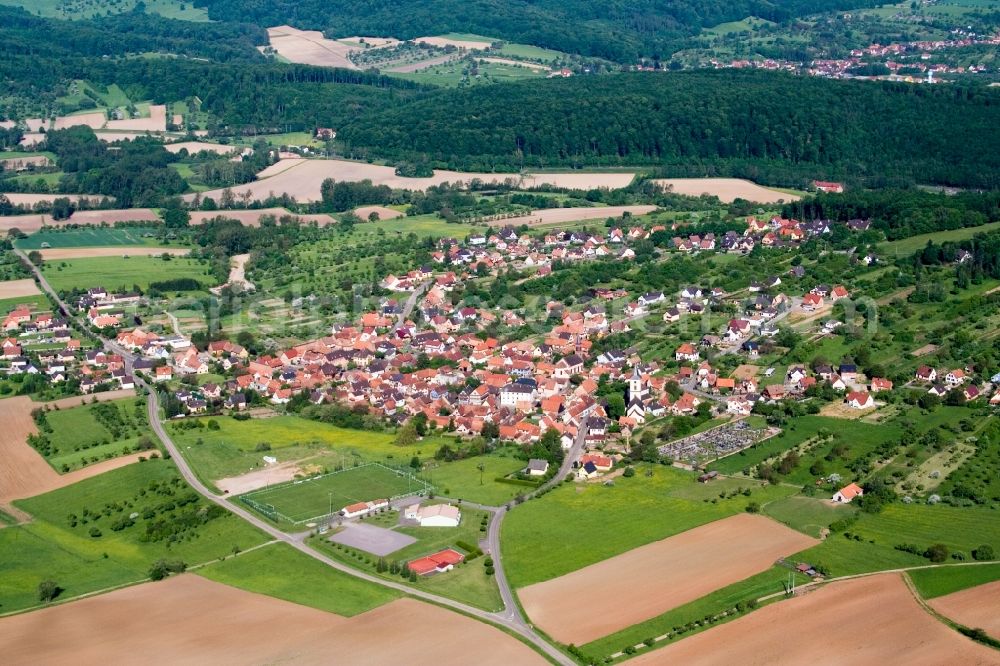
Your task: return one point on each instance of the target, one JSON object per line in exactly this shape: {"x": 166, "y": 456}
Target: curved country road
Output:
{"x": 510, "y": 619}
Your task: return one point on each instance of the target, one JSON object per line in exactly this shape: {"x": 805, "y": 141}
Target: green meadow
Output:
{"x": 91, "y": 237}
{"x": 80, "y": 536}
{"x": 280, "y": 571}
{"x": 579, "y": 524}
{"x": 119, "y": 273}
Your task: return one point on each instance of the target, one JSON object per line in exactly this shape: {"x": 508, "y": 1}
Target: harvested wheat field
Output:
{"x": 25, "y": 199}
{"x": 648, "y": 581}
{"x": 251, "y": 218}
{"x": 460, "y": 43}
{"x": 111, "y": 137}
{"x": 516, "y": 63}
{"x": 372, "y": 42}
{"x": 156, "y": 122}
{"x": 18, "y": 288}
{"x": 310, "y": 47}
{"x": 28, "y": 224}
{"x": 548, "y": 216}
{"x": 302, "y": 179}
{"x": 94, "y": 120}
{"x": 109, "y": 216}
{"x": 119, "y": 251}
{"x": 190, "y": 620}
{"x": 873, "y": 620}
{"x": 24, "y": 472}
{"x": 19, "y": 163}
{"x": 976, "y": 607}
{"x": 579, "y": 181}
{"x": 727, "y": 189}
{"x": 195, "y": 147}
{"x": 383, "y": 213}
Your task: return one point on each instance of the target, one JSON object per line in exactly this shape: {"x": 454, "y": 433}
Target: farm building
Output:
{"x": 437, "y": 515}
{"x": 363, "y": 508}
{"x": 848, "y": 493}
{"x": 440, "y": 562}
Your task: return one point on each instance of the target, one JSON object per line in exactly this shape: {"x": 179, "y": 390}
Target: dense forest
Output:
{"x": 619, "y": 30}
{"x": 902, "y": 213}
{"x": 22, "y": 33}
{"x": 871, "y": 130}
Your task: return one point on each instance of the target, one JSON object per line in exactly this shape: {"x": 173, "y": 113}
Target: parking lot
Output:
{"x": 371, "y": 539}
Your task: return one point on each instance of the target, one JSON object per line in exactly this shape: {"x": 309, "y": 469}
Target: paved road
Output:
{"x": 512, "y": 611}
{"x": 510, "y": 618}
{"x": 411, "y": 302}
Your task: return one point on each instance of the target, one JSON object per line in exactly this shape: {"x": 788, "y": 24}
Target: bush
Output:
{"x": 984, "y": 553}
{"x": 94, "y": 532}
{"x": 937, "y": 553}
{"x": 753, "y": 507}
{"x": 163, "y": 568}
{"x": 48, "y": 590}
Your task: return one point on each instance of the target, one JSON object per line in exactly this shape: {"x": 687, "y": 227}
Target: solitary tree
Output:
{"x": 48, "y": 590}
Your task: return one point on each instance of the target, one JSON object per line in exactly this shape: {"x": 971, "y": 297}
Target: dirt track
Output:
{"x": 976, "y": 607}
{"x": 645, "y": 582}
{"x": 18, "y": 288}
{"x": 872, "y": 620}
{"x": 727, "y": 189}
{"x": 191, "y": 620}
{"x": 129, "y": 250}
{"x": 24, "y": 472}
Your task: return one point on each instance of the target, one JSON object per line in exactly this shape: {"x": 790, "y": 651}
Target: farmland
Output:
{"x": 870, "y": 544}
{"x": 122, "y": 274}
{"x": 974, "y": 607}
{"x": 942, "y": 581}
{"x": 650, "y": 580}
{"x": 76, "y": 437}
{"x": 27, "y": 472}
{"x": 156, "y": 619}
{"x": 302, "y": 179}
{"x": 726, "y": 189}
{"x": 543, "y": 538}
{"x": 82, "y": 536}
{"x": 842, "y": 614}
{"x": 91, "y": 237}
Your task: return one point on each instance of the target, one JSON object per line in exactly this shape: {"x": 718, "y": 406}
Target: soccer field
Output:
{"x": 300, "y": 501}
